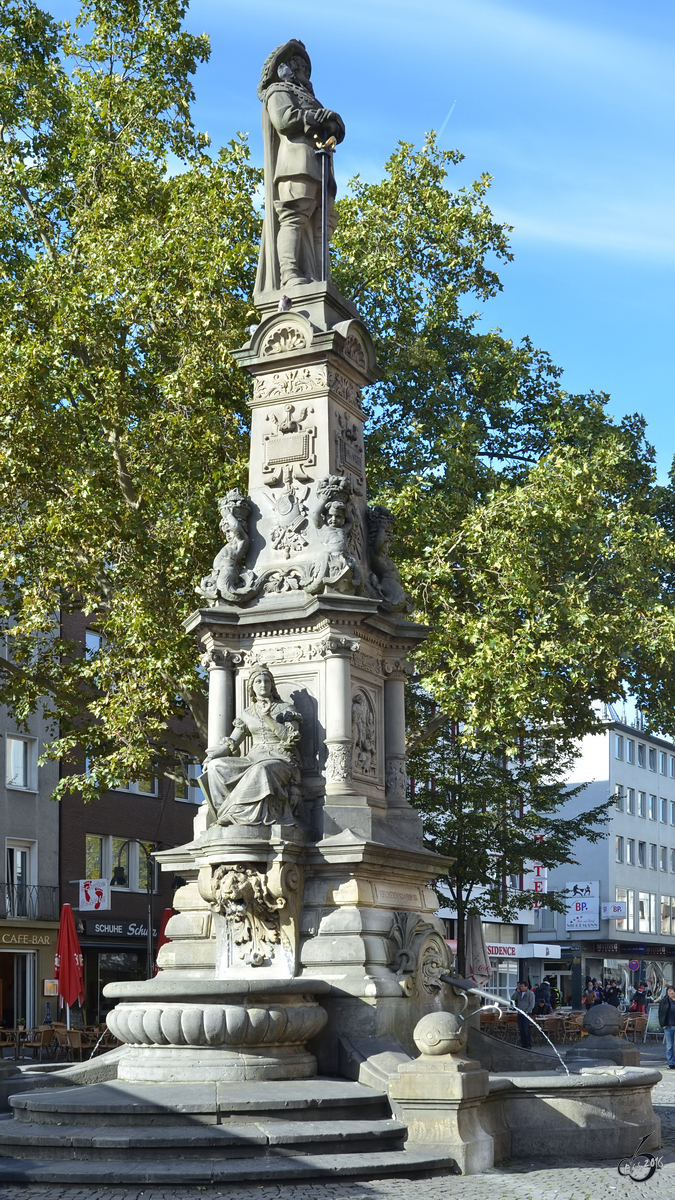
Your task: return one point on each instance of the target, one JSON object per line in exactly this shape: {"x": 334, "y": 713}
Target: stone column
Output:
{"x": 339, "y": 740}
{"x": 221, "y": 693}
{"x": 394, "y": 734}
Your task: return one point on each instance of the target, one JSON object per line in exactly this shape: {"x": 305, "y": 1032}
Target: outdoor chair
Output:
{"x": 638, "y": 1025}
{"x": 61, "y": 1035}
{"x": 75, "y": 1043}
{"x": 37, "y": 1040}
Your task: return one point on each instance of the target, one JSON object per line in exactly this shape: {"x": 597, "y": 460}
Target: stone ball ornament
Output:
{"x": 603, "y": 1020}
{"x": 440, "y": 1033}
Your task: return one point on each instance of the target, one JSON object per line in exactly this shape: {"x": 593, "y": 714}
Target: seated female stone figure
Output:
{"x": 262, "y": 787}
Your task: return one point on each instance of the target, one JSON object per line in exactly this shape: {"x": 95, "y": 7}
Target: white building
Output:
{"x": 634, "y": 864}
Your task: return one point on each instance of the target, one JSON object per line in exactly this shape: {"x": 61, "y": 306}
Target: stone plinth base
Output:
{"x": 439, "y": 1100}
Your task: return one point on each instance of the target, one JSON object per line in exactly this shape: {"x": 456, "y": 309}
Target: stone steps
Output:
{"x": 276, "y": 1168}
{"x": 251, "y": 1140}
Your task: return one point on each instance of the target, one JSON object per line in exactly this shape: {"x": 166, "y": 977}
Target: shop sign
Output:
{"x": 583, "y": 906}
{"x": 606, "y": 947}
{"x": 43, "y": 938}
{"x": 123, "y": 929}
{"x": 94, "y": 894}
{"x": 616, "y": 910}
{"x": 524, "y": 950}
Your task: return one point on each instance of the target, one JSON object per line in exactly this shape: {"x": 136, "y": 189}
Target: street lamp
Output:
{"x": 119, "y": 879}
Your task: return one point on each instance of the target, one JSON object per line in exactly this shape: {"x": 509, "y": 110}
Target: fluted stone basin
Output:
{"x": 213, "y": 1029}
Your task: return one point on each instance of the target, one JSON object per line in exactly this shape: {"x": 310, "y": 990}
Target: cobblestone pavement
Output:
{"x": 517, "y": 1180}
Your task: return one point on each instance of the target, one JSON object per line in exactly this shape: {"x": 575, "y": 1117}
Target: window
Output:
{"x": 631, "y": 911}
{"x": 652, "y": 808}
{"x": 618, "y": 797}
{"x": 189, "y": 791}
{"x": 672, "y": 812}
{"x": 630, "y": 852}
{"x": 619, "y": 849}
{"x": 652, "y": 856}
{"x": 672, "y": 767}
{"x": 652, "y": 912}
{"x": 146, "y": 785}
{"x": 120, "y": 863}
{"x": 663, "y": 811}
{"x": 643, "y": 912}
{"x": 630, "y": 801}
{"x": 93, "y": 864}
{"x": 92, "y": 643}
{"x": 665, "y": 916}
{"x": 630, "y": 750}
{"x": 641, "y": 755}
{"x": 19, "y": 772}
{"x": 652, "y": 758}
{"x": 621, "y": 896}
{"x": 121, "y": 860}
{"x": 642, "y": 854}
{"x": 618, "y": 746}
{"x": 672, "y": 862}
{"x": 663, "y": 858}
{"x": 642, "y": 804}
{"x": 18, "y": 891}
{"x": 663, "y": 763}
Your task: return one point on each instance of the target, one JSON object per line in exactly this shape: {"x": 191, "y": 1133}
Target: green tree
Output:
{"x": 492, "y": 813}
{"x": 529, "y": 526}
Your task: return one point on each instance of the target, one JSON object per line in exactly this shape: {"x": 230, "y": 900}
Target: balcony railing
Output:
{"x": 30, "y": 902}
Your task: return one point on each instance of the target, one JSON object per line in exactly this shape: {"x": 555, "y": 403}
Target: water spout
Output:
{"x": 499, "y": 1000}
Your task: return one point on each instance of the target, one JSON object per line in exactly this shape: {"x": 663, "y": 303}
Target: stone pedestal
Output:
{"x": 602, "y": 1023}
{"x": 439, "y": 1095}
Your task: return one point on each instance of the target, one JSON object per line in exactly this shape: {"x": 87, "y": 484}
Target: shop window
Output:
{"x": 20, "y": 763}
{"x": 643, "y": 912}
{"x": 618, "y": 797}
{"x": 652, "y": 856}
{"x": 663, "y": 811}
{"x": 663, "y": 763}
{"x": 642, "y": 804}
{"x": 630, "y": 801}
{"x": 618, "y": 746}
{"x": 630, "y": 852}
{"x": 642, "y": 854}
{"x": 619, "y": 849}
{"x": 652, "y": 758}
{"x": 665, "y": 916}
{"x": 93, "y": 864}
{"x": 630, "y": 750}
{"x": 663, "y": 858}
{"x": 641, "y": 755}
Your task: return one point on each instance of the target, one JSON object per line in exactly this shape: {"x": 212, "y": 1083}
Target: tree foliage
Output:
{"x": 531, "y": 535}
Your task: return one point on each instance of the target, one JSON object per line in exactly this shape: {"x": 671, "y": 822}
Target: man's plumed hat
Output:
{"x": 275, "y": 59}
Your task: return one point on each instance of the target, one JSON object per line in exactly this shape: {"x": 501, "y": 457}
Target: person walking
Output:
{"x": 612, "y": 994}
{"x": 667, "y": 1023}
{"x": 588, "y": 998}
{"x": 523, "y": 999}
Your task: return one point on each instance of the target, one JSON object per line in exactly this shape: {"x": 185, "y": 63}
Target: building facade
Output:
{"x": 29, "y": 896}
{"x": 634, "y": 865}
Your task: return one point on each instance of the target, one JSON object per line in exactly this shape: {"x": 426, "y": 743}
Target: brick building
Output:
{"x": 108, "y": 839}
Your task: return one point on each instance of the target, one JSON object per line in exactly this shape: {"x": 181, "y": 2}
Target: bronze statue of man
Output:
{"x": 294, "y": 123}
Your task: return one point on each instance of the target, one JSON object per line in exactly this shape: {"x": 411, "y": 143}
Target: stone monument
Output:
{"x": 305, "y": 966}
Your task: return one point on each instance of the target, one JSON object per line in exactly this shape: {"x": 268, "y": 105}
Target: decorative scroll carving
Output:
{"x": 348, "y": 451}
{"x": 289, "y": 383}
{"x": 419, "y": 953}
{"x": 283, "y": 339}
{"x": 214, "y": 660}
{"x": 363, "y": 735}
{"x": 385, "y": 578}
{"x": 334, "y": 518}
{"x": 339, "y": 762}
{"x": 345, "y": 389}
{"x": 367, "y": 662}
{"x": 227, "y": 581}
{"x": 241, "y": 895}
{"x": 353, "y": 350}
{"x": 289, "y": 442}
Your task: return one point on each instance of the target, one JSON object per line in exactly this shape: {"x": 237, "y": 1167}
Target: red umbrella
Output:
{"x": 163, "y": 939}
{"x": 68, "y": 961}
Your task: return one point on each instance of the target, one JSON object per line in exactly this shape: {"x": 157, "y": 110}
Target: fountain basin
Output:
{"x": 211, "y": 1029}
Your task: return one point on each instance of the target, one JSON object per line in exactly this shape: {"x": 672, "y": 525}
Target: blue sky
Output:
{"x": 569, "y": 106}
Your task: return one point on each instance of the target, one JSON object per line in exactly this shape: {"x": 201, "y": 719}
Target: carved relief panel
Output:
{"x": 364, "y": 735}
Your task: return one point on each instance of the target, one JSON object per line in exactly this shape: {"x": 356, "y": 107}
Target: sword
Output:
{"x": 324, "y": 150}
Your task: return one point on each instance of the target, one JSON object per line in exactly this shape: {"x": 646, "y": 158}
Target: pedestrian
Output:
{"x": 639, "y": 1002}
{"x": 667, "y": 1023}
{"x": 541, "y": 1008}
{"x": 588, "y": 998}
{"x": 523, "y": 999}
{"x": 543, "y": 992}
{"x": 612, "y": 994}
